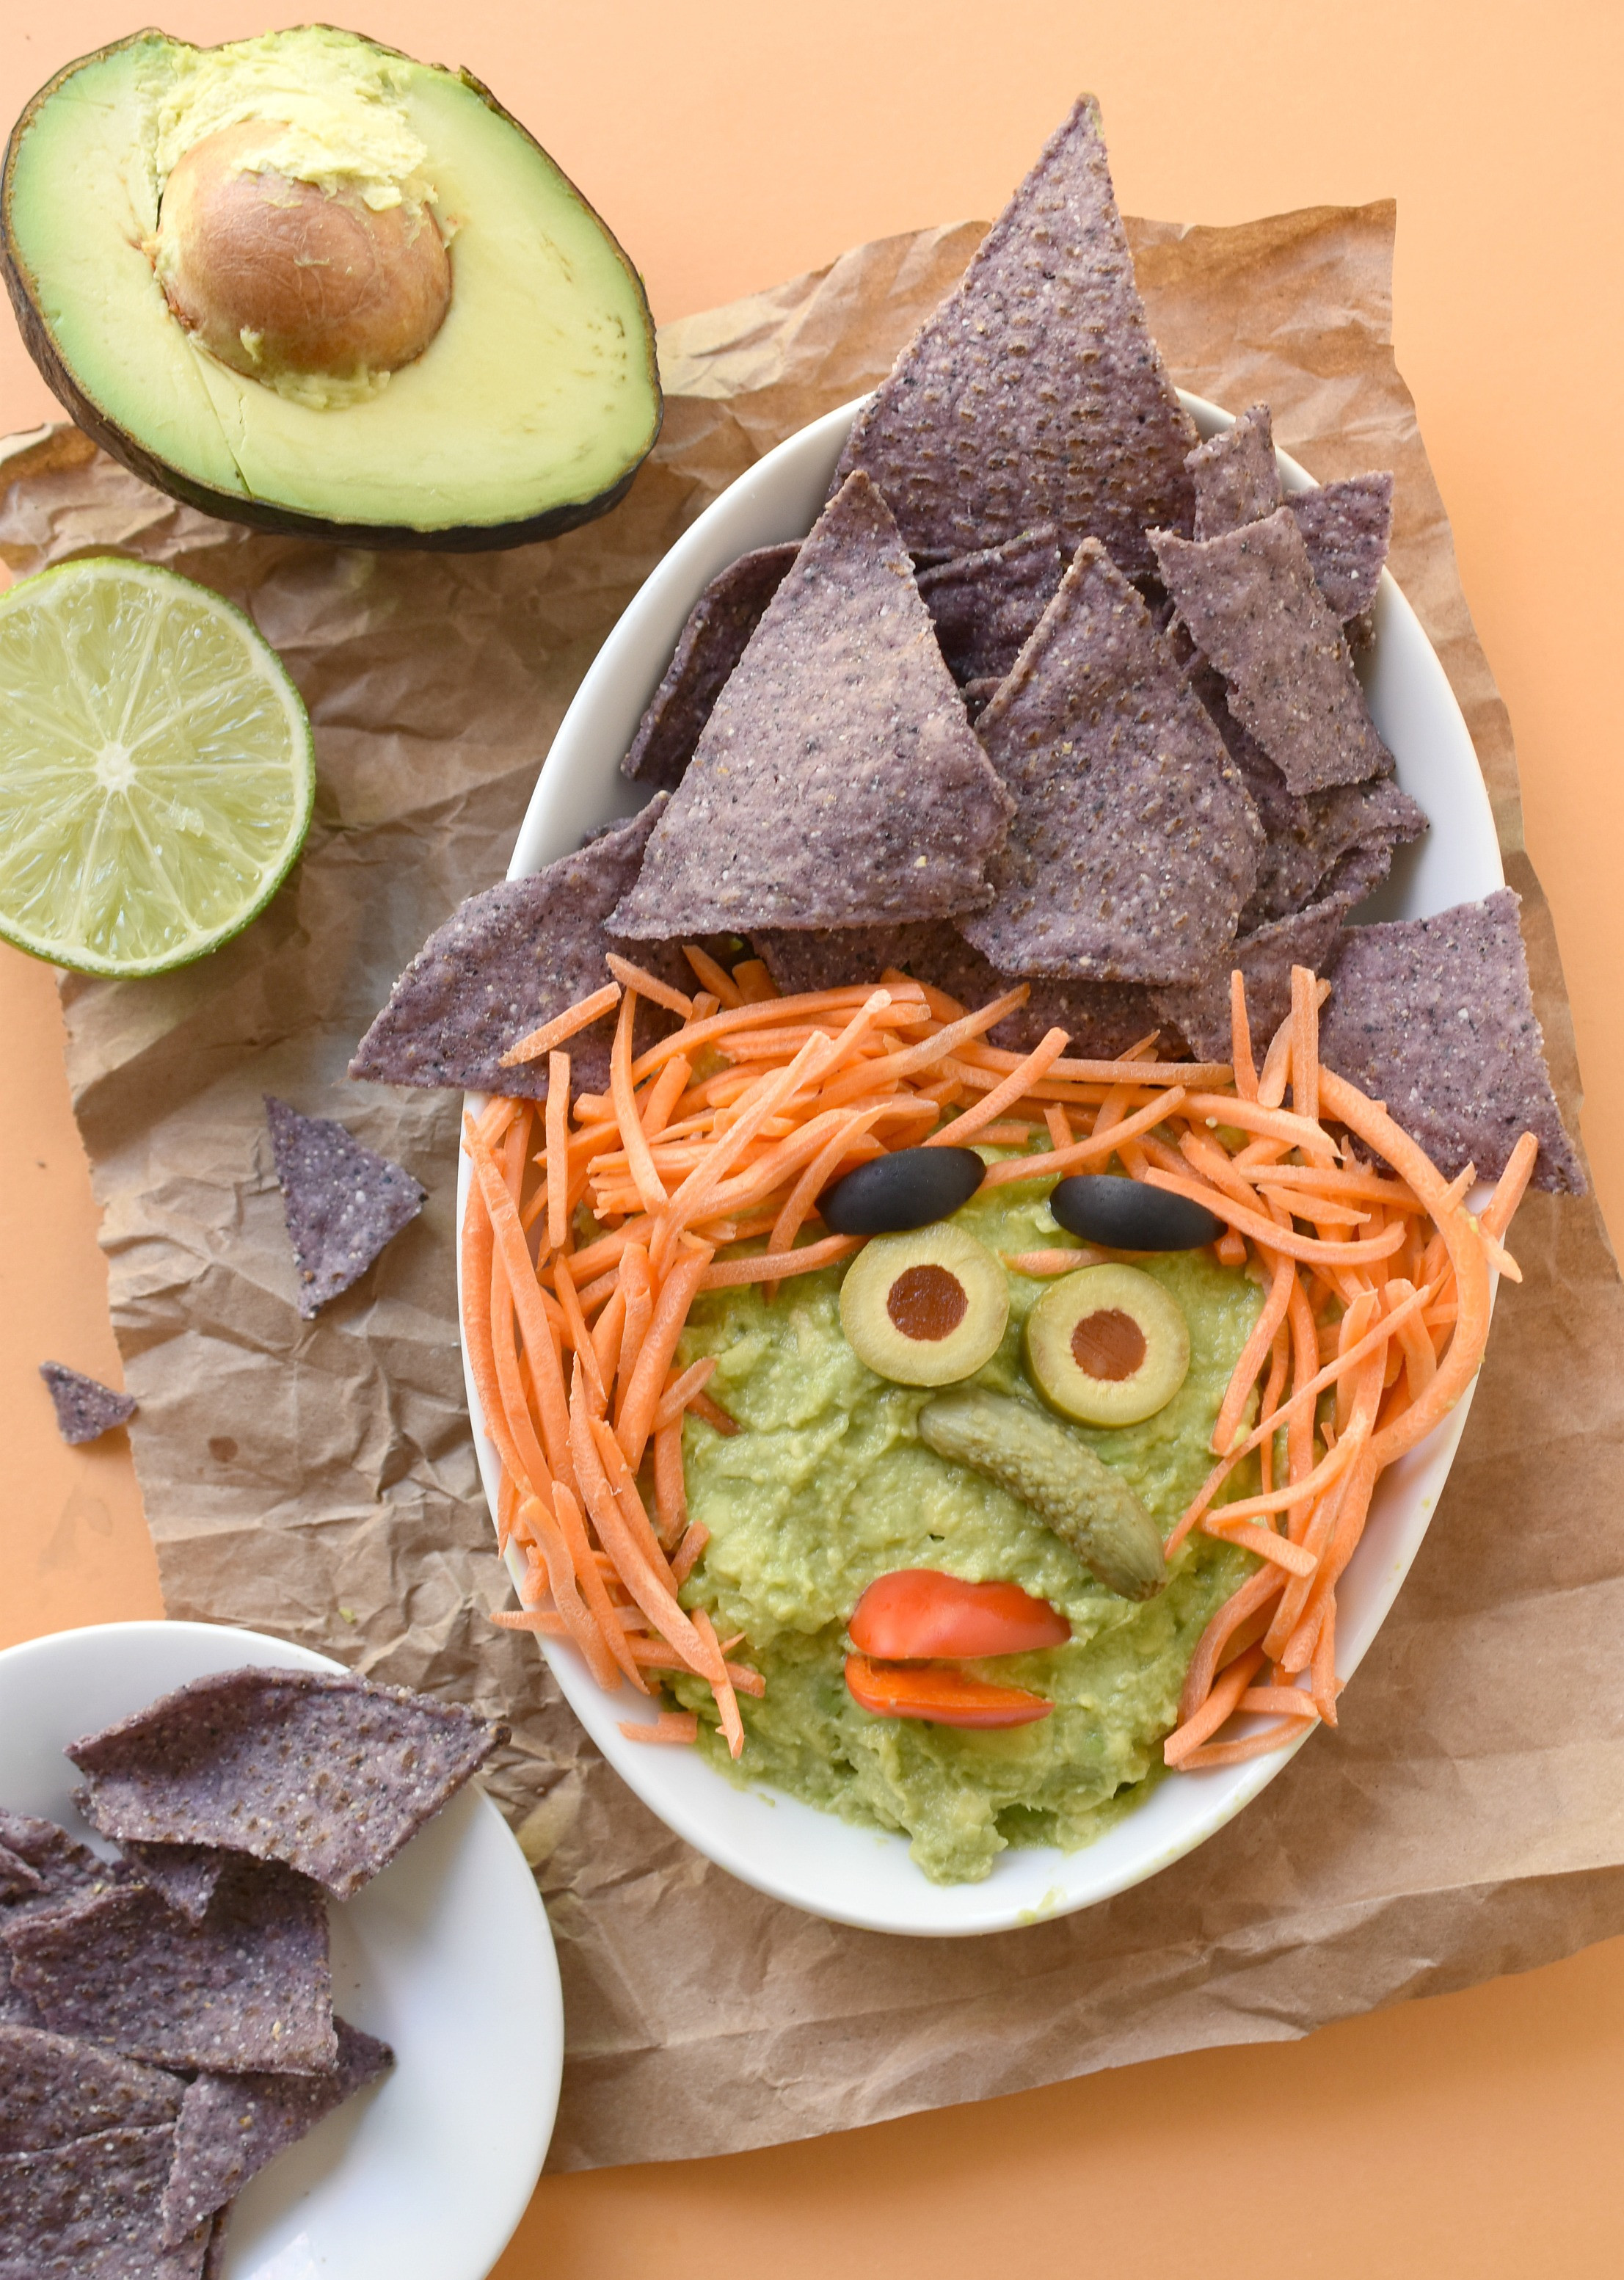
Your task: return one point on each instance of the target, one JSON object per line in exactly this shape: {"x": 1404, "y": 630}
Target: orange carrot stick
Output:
{"x": 1217, "y": 1707}
{"x": 679, "y": 1391}
{"x": 1267, "y": 1232}
{"x": 1498, "y": 1212}
{"x": 657, "y": 1601}
{"x": 606, "y": 1616}
{"x": 1240, "y": 1038}
{"x": 689, "y": 1551}
{"x": 677, "y": 1726}
{"x": 647, "y": 985}
{"x": 1101, "y": 1145}
{"x": 815, "y": 1177}
{"x": 649, "y": 1185}
{"x": 579, "y": 1337}
{"x": 558, "y": 1130}
{"x": 992, "y": 1105}
{"x": 566, "y": 1597}
{"x": 562, "y": 1026}
{"x": 716, "y": 978}
{"x": 721, "y": 1687}
{"x": 1234, "y": 1753}
{"x": 639, "y": 1309}
{"x": 778, "y": 1266}
{"x": 648, "y": 1380}
{"x": 606, "y": 1338}
{"x": 670, "y": 1489}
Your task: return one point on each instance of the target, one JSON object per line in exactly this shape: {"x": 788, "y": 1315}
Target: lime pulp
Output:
{"x": 156, "y": 770}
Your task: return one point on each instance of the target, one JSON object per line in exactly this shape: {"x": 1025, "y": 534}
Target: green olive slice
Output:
{"x": 1107, "y": 1346}
{"x": 925, "y": 1308}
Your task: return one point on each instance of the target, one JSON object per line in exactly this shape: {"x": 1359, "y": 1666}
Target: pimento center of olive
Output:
{"x": 927, "y": 1303}
{"x": 1108, "y": 1345}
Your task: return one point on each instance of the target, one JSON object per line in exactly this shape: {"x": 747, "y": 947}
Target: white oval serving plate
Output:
{"x": 446, "y": 1954}
{"x": 813, "y": 1859}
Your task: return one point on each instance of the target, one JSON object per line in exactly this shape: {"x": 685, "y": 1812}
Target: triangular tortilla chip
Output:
{"x": 85, "y": 1408}
{"x": 1435, "y": 1017}
{"x": 1251, "y": 606}
{"x": 1303, "y": 938}
{"x": 53, "y": 2090}
{"x": 509, "y": 959}
{"x": 709, "y": 645}
{"x": 343, "y": 1202}
{"x": 1035, "y": 393}
{"x": 837, "y": 782}
{"x": 1133, "y": 844}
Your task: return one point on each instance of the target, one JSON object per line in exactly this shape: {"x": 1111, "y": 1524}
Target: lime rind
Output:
{"x": 156, "y": 768}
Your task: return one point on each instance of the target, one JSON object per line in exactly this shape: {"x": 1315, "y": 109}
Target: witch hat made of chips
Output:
{"x": 837, "y": 782}
{"x": 1035, "y": 393}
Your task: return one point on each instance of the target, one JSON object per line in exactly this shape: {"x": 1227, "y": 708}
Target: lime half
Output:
{"x": 156, "y": 768}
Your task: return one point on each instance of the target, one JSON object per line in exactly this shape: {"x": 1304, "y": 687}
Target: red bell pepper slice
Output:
{"x": 915, "y": 1613}
{"x": 940, "y": 1697}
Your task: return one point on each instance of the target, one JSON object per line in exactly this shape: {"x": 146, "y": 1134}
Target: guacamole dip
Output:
{"x": 827, "y": 1486}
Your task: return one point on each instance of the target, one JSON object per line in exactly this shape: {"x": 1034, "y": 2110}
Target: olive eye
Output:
{"x": 925, "y": 1308}
{"x": 1107, "y": 1346}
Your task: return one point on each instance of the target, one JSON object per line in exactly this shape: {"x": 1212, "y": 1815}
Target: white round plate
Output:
{"x": 811, "y": 1859}
{"x": 446, "y": 1954}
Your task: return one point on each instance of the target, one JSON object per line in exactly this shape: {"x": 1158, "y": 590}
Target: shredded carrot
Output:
{"x": 725, "y": 1132}
{"x": 647, "y": 985}
{"x": 678, "y": 1726}
{"x": 564, "y": 1026}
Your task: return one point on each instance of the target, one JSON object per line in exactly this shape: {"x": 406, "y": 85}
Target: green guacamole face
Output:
{"x": 827, "y": 1486}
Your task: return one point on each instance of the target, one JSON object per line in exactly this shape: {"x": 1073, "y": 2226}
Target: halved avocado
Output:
{"x": 527, "y": 412}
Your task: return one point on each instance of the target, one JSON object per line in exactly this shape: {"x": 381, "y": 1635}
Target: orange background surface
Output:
{"x": 732, "y": 143}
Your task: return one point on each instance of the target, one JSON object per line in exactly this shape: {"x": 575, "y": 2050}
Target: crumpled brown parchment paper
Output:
{"x": 318, "y": 1480}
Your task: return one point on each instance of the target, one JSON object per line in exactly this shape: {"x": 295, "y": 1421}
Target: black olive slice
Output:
{"x": 912, "y": 1187}
{"x": 1127, "y": 1215}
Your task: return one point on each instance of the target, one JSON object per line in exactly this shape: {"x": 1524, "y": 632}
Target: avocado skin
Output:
{"x": 231, "y": 506}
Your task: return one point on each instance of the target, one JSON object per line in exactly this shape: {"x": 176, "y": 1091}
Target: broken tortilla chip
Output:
{"x": 343, "y": 1202}
{"x": 1435, "y": 1017}
{"x": 708, "y": 648}
{"x": 1235, "y": 475}
{"x": 1101, "y": 1019}
{"x": 187, "y": 1875}
{"x": 85, "y": 1408}
{"x": 92, "y": 2209}
{"x": 1035, "y": 393}
{"x": 1134, "y": 845}
{"x": 328, "y": 1773}
{"x": 508, "y": 961}
{"x": 249, "y": 1988}
{"x": 1347, "y": 528}
{"x": 54, "y": 2089}
{"x": 1302, "y": 938}
{"x": 985, "y": 604}
{"x": 838, "y": 781}
{"x": 232, "y": 2124}
{"x": 1249, "y": 602}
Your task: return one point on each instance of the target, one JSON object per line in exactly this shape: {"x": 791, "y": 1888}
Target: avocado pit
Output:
{"x": 287, "y": 282}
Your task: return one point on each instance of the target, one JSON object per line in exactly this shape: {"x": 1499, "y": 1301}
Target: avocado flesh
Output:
{"x": 528, "y": 411}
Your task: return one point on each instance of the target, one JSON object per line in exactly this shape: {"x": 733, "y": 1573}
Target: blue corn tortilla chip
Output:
{"x": 214, "y": 2258}
{"x": 1251, "y": 606}
{"x": 85, "y": 1408}
{"x": 1305, "y": 840}
{"x": 1035, "y": 393}
{"x": 837, "y": 782}
{"x": 984, "y": 605}
{"x": 93, "y": 2210}
{"x": 1435, "y": 1017}
{"x": 232, "y": 2124}
{"x": 249, "y": 1988}
{"x": 1102, "y": 1019}
{"x": 54, "y": 2089}
{"x": 343, "y": 1202}
{"x": 1134, "y": 845}
{"x": 709, "y": 645}
{"x": 66, "y": 1869}
{"x": 1235, "y": 475}
{"x": 1201, "y": 1013}
{"x": 18, "y": 1880}
{"x": 330, "y": 1774}
{"x": 187, "y": 1875}
{"x": 1347, "y": 528}
{"x": 509, "y": 959}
